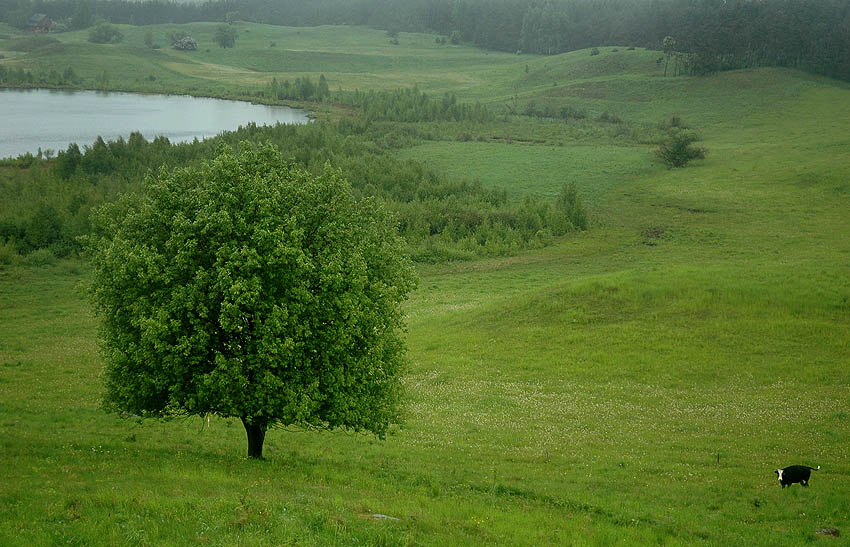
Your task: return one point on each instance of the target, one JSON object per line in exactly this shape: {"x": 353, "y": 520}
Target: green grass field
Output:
{"x": 634, "y": 384}
{"x": 350, "y": 58}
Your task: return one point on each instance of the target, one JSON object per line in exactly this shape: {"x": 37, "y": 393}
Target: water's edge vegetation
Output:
{"x": 441, "y": 219}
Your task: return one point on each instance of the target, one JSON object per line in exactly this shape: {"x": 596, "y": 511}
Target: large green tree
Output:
{"x": 249, "y": 288}
{"x": 225, "y": 35}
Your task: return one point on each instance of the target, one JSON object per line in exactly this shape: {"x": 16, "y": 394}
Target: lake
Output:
{"x": 51, "y": 119}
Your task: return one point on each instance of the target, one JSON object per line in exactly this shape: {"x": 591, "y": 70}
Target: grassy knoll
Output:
{"x": 634, "y": 384}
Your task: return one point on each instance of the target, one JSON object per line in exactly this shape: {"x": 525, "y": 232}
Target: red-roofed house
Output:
{"x": 40, "y": 23}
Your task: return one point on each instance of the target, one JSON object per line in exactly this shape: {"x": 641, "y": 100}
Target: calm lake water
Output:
{"x": 52, "y": 119}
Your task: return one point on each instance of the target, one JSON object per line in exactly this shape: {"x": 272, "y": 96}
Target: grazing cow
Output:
{"x": 795, "y": 473}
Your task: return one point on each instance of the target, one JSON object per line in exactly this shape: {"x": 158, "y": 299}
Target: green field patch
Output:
{"x": 580, "y": 65}
{"x": 523, "y": 169}
{"x": 29, "y": 43}
{"x": 673, "y": 324}
{"x": 726, "y": 98}
{"x": 281, "y": 60}
{"x": 502, "y": 439}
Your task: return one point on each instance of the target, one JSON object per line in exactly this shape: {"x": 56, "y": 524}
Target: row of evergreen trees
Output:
{"x": 303, "y": 89}
{"x": 48, "y": 201}
{"x": 714, "y": 34}
{"x": 398, "y": 105}
{"x": 413, "y": 105}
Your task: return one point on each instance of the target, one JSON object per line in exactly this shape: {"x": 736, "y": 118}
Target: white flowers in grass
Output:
{"x": 524, "y": 419}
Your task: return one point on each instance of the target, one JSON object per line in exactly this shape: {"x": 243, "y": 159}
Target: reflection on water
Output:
{"x": 52, "y": 119}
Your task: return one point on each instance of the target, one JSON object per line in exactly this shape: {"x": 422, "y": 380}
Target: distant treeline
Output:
{"x": 48, "y": 197}
{"x": 710, "y": 35}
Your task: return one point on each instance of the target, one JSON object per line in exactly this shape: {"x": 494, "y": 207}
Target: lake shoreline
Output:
{"x": 244, "y": 98}
{"x": 49, "y": 119}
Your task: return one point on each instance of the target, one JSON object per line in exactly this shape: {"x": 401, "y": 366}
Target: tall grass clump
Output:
{"x": 570, "y": 211}
{"x": 8, "y": 254}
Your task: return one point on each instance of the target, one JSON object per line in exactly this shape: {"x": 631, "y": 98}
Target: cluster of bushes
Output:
{"x": 27, "y": 78}
{"x": 439, "y": 217}
{"x": 44, "y": 228}
{"x": 565, "y": 112}
{"x": 183, "y": 42}
{"x": 399, "y": 105}
{"x": 303, "y": 89}
{"x": 412, "y": 105}
{"x": 49, "y": 203}
{"x": 678, "y": 147}
{"x": 49, "y": 200}
{"x": 449, "y": 229}
{"x": 104, "y": 33}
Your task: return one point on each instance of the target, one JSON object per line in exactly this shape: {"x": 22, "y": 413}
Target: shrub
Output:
{"x": 225, "y": 35}
{"x": 70, "y": 77}
{"x": 594, "y": 51}
{"x": 605, "y": 117}
{"x": 570, "y": 211}
{"x": 8, "y": 254}
{"x": 572, "y": 112}
{"x": 43, "y": 228}
{"x": 104, "y": 33}
{"x": 40, "y": 257}
{"x": 678, "y": 148}
{"x": 184, "y": 43}
{"x": 676, "y": 121}
{"x": 10, "y": 230}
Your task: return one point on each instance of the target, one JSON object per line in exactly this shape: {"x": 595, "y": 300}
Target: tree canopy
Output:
{"x": 249, "y": 288}
{"x": 225, "y": 35}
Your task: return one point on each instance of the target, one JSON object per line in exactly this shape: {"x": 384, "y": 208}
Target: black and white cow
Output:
{"x": 795, "y": 473}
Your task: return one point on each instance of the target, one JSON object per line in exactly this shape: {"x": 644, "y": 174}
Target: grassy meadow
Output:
{"x": 634, "y": 384}
{"x": 349, "y": 57}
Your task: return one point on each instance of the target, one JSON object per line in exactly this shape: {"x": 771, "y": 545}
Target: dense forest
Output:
{"x": 705, "y": 35}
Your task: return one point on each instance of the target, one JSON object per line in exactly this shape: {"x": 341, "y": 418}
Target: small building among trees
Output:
{"x": 40, "y": 23}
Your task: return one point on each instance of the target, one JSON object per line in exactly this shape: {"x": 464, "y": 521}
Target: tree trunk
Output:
{"x": 256, "y": 435}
